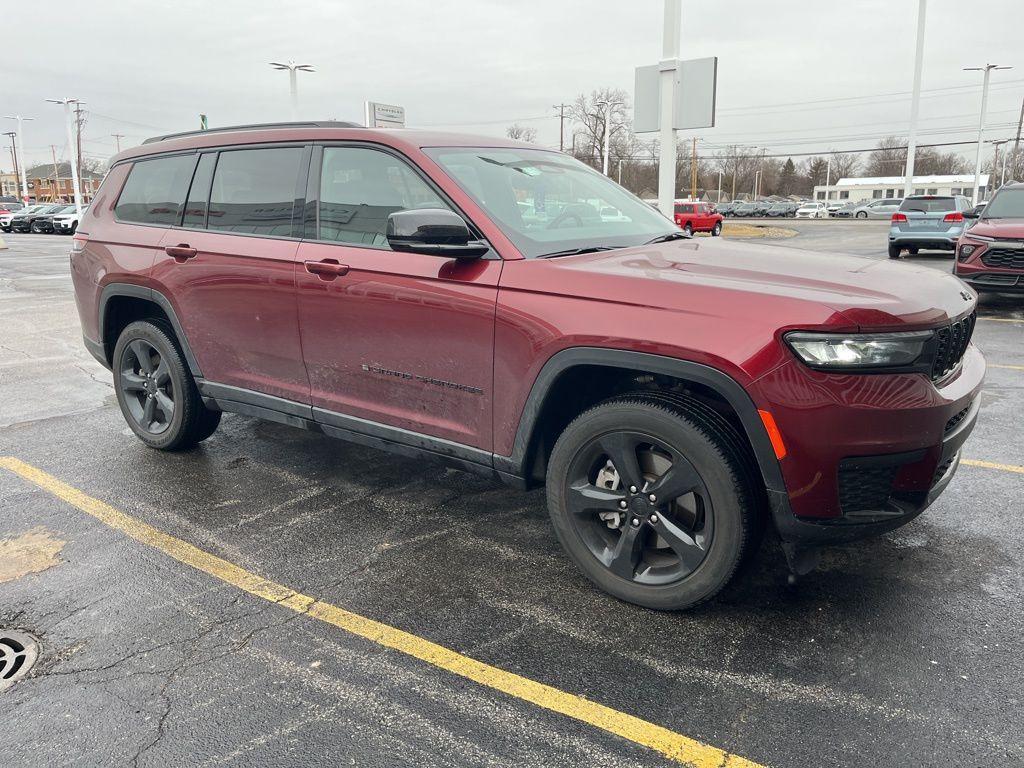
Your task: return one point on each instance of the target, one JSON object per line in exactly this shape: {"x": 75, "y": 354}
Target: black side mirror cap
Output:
{"x": 434, "y": 232}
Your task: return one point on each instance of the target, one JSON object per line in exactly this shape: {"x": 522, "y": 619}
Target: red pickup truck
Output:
{"x": 698, "y": 217}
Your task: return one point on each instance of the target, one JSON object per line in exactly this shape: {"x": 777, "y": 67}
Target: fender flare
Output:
{"x": 112, "y": 290}
{"x": 721, "y": 383}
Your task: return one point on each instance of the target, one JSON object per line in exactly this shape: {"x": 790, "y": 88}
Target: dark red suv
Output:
{"x": 472, "y": 300}
{"x": 990, "y": 252}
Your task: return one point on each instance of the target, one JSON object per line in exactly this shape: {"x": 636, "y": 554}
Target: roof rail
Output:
{"x": 255, "y": 127}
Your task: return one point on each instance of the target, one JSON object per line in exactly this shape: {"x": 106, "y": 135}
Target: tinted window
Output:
{"x": 199, "y": 193}
{"x": 155, "y": 190}
{"x": 254, "y": 191}
{"x": 928, "y": 204}
{"x": 359, "y": 188}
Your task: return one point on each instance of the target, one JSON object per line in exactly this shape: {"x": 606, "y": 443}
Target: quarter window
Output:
{"x": 155, "y": 190}
{"x": 254, "y": 191}
{"x": 360, "y": 188}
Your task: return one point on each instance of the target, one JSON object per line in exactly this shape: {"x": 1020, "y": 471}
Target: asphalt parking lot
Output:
{"x": 213, "y": 607}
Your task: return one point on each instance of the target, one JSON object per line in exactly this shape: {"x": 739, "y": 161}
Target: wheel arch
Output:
{"x": 121, "y": 303}
{"x": 527, "y": 447}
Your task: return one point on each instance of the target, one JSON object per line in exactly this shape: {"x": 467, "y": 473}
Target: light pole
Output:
{"x": 667, "y": 67}
{"x": 72, "y": 150}
{"x": 720, "y": 186}
{"x": 915, "y": 102}
{"x": 987, "y": 69}
{"x": 607, "y": 131}
{"x": 293, "y": 84}
{"x": 21, "y": 152}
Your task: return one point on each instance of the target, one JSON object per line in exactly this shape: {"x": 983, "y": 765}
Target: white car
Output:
{"x": 812, "y": 211}
{"x": 67, "y": 223}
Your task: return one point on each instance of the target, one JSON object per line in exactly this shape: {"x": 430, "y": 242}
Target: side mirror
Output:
{"x": 972, "y": 214}
{"x": 434, "y": 232}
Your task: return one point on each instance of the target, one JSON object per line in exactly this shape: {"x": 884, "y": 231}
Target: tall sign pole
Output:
{"x": 667, "y": 69}
{"x": 915, "y": 102}
{"x": 73, "y": 150}
{"x": 21, "y": 152}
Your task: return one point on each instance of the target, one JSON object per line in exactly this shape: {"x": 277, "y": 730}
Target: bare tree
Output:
{"x": 588, "y": 117}
{"x": 844, "y": 165}
{"x": 521, "y": 133}
{"x": 888, "y": 159}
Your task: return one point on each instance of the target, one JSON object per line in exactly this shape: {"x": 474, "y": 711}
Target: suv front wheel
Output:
{"x": 156, "y": 391}
{"x": 650, "y": 495}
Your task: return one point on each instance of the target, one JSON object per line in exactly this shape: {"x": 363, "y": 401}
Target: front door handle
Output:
{"x": 328, "y": 269}
{"x": 180, "y": 252}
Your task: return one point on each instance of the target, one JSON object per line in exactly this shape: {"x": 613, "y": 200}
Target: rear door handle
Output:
{"x": 328, "y": 269}
{"x": 180, "y": 252}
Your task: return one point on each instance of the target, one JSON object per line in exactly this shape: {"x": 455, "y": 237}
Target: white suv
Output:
{"x": 67, "y": 223}
{"x": 812, "y": 211}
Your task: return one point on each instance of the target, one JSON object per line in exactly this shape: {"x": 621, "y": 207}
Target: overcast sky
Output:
{"x": 479, "y": 65}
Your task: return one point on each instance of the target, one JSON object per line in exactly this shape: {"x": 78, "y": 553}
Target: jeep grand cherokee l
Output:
{"x": 463, "y": 299}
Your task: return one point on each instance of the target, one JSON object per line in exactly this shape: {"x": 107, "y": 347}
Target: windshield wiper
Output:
{"x": 578, "y": 251}
{"x": 666, "y": 238}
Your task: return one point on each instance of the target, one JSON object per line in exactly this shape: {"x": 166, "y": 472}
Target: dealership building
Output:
{"x": 873, "y": 188}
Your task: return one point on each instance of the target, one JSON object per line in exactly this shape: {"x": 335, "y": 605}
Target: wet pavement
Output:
{"x": 904, "y": 650}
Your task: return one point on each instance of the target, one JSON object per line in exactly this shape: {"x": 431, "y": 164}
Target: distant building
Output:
{"x": 47, "y": 186}
{"x": 867, "y": 188}
{"x": 9, "y": 185}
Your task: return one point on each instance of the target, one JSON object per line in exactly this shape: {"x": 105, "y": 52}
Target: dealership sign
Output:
{"x": 384, "y": 115}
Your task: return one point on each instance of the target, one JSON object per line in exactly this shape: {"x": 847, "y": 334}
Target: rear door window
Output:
{"x": 254, "y": 191}
{"x": 155, "y": 190}
{"x": 199, "y": 193}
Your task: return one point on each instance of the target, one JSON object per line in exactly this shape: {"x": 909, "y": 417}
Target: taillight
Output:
{"x": 955, "y": 217}
{"x": 899, "y": 216}
{"x": 78, "y": 244}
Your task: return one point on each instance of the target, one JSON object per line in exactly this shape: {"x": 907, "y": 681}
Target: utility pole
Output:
{"x": 21, "y": 152}
{"x": 78, "y": 136}
{"x": 720, "y": 186}
{"x": 67, "y": 102}
{"x": 1016, "y": 142}
{"x": 14, "y": 158}
{"x": 987, "y": 69}
{"x": 293, "y": 84}
{"x": 915, "y": 102}
{"x": 117, "y": 138}
{"x": 693, "y": 170}
{"x": 56, "y": 172}
{"x": 561, "y": 125}
{"x": 620, "y": 171}
{"x": 667, "y": 71}
{"x": 607, "y": 132}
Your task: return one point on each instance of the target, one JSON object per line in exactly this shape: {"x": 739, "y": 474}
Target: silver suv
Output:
{"x": 927, "y": 221}
{"x": 878, "y": 209}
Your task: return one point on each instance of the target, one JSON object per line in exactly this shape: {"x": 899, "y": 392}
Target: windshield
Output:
{"x": 1007, "y": 204}
{"x": 928, "y": 204}
{"x": 546, "y": 202}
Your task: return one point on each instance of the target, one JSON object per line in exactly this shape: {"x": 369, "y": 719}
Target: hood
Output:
{"x": 740, "y": 278}
{"x": 1001, "y": 228}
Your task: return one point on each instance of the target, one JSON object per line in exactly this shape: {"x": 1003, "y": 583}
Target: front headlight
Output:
{"x": 832, "y": 351}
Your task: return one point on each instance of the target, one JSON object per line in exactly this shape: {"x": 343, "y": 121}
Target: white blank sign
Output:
{"x": 695, "y": 84}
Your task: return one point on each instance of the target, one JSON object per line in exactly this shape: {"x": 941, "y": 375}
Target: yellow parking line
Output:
{"x": 1008, "y": 367}
{"x": 672, "y": 745}
{"x": 1001, "y": 320}
{"x": 993, "y": 465}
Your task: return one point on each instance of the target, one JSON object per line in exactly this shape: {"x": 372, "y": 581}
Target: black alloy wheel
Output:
{"x": 146, "y": 382}
{"x": 640, "y": 507}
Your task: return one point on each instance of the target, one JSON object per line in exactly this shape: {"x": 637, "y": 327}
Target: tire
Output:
{"x": 688, "y": 229}
{"x": 703, "y": 535}
{"x": 894, "y": 251}
{"x": 861, "y": 214}
{"x": 164, "y": 409}
{"x": 717, "y": 229}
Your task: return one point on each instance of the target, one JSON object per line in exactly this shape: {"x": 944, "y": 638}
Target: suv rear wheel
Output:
{"x": 156, "y": 391}
{"x": 650, "y": 496}
{"x": 894, "y": 251}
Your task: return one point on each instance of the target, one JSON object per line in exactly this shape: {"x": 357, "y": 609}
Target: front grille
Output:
{"x": 1003, "y": 258}
{"x": 864, "y": 489}
{"x": 955, "y": 420}
{"x": 950, "y": 345}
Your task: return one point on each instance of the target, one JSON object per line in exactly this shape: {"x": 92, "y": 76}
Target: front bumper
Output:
{"x": 866, "y": 453}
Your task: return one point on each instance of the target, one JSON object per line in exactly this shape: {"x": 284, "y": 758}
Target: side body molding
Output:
{"x": 149, "y": 294}
{"x": 722, "y": 383}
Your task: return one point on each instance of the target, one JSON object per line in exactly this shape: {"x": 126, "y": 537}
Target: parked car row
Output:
{"x": 51, "y": 218}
